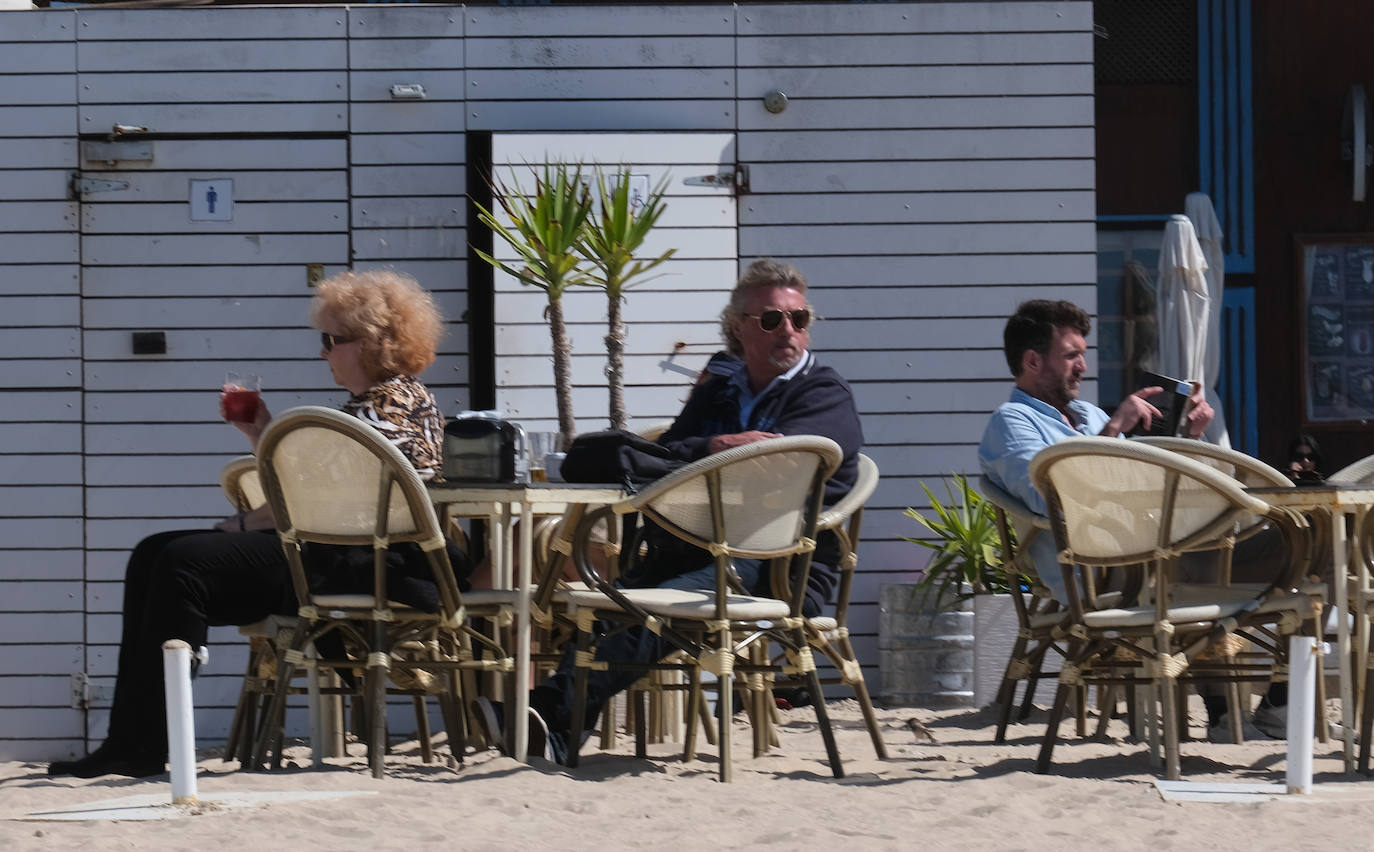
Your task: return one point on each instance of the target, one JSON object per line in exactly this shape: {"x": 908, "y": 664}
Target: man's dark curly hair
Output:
{"x": 1032, "y": 327}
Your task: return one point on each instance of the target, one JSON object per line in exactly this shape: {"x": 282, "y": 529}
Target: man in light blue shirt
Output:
{"x": 1045, "y": 346}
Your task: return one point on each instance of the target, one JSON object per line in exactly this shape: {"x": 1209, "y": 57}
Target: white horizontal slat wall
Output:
{"x": 407, "y": 165}
{"x": 933, "y": 168}
{"x": 260, "y": 100}
{"x": 41, "y": 623}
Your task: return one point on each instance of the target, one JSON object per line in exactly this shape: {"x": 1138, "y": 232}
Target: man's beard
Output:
{"x": 784, "y": 364}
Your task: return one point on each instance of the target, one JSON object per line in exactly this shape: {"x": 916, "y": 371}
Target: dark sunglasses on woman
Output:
{"x": 331, "y": 340}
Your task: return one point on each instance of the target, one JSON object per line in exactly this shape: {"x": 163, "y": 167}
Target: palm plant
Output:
{"x": 965, "y": 544}
{"x": 545, "y": 232}
{"x": 610, "y": 242}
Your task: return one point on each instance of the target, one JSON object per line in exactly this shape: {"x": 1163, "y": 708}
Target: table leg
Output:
{"x": 522, "y": 641}
{"x": 1361, "y": 619}
{"x": 1341, "y": 600}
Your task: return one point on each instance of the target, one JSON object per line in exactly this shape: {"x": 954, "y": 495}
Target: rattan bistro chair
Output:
{"x": 332, "y": 479}
{"x": 829, "y": 634}
{"x": 1132, "y": 507}
{"x": 759, "y": 501}
{"x": 1039, "y": 618}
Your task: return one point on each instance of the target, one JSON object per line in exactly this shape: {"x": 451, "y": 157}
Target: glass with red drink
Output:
{"x": 240, "y": 397}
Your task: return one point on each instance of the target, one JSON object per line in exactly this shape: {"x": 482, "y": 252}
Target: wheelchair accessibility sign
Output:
{"x": 212, "y": 200}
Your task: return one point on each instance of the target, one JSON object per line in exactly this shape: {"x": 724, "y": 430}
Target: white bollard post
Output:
{"x": 181, "y": 726}
{"x": 1302, "y": 689}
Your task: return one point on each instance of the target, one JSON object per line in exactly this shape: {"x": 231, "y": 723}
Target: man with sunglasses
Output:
{"x": 766, "y": 386}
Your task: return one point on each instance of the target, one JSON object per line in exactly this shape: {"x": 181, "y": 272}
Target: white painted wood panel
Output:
{"x": 44, "y": 407}
{"x": 37, "y": 216}
{"x": 864, "y": 113}
{"x": 495, "y": 84}
{"x": 406, "y": 117}
{"x": 289, "y": 376}
{"x": 40, "y": 596}
{"x": 405, "y": 53}
{"x": 37, "y": 120}
{"x": 39, "y": 248}
{"x": 998, "y": 238}
{"x": 229, "y": 248}
{"x": 32, "y": 564}
{"x": 410, "y": 242}
{"x": 30, "y": 311}
{"x": 217, "y": 118}
{"x": 44, "y": 659}
{"x": 40, "y": 88}
{"x": 170, "y": 471}
{"x": 675, "y": 20}
{"x": 432, "y": 212}
{"x": 602, "y": 52}
{"x": 834, "y": 303}
{"x": 33, "y": 57}
{"x": 279, "y": 217}
{"x": 35, "y": 184}
{"x": 956, "y": 17}
{"x": 365, "y": 86}
{"x": 900, "y": 207}
{"x": 215, "y": 87}
{"x": 402, "y": 21}
{"x": 955, "y": 269}
{"x": 922, "y": 176}
{"x": 227, "y": 24}
{"x": 249, "y": 186}
{"x": 23, "y": 25}
{"x": 155, "y": 501}
{"x": 983, "y": 144}
{"x": 409, "y": 180}
{"x": 198, "y": 344}
{"x": 406, "y": 148}
{"x": 298, "y": 54}
{"x": 921, "y": 81}
{"x": 916, "y": 49}
{"x": 301, "y": 156}
{"x": 602, "y": 115}
{"x": 38, "y": 153}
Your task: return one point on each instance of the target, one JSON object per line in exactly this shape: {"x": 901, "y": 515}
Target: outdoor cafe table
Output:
{"x": 499, "y": 504}
{"x": 1336, "y": 503}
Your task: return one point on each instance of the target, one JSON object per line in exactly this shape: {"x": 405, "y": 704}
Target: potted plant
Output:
{"x": 610, "y": 241}
{"x": 545, "y": 231}
{"x": 944, "y": 640}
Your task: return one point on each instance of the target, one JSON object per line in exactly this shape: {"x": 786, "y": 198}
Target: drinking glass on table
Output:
{"x": 541, "y": 445}
{"x": 240, "y": 397}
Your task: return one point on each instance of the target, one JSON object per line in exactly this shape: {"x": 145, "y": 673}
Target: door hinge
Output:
{"x": 82, "y": 185}
{"x": 737, "y": 179}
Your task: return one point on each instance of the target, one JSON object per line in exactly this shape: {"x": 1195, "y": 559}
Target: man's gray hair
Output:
{"x": 762, "y": 274}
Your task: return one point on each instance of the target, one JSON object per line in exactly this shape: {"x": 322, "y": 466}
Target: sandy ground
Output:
{"x": 960, "y": 791}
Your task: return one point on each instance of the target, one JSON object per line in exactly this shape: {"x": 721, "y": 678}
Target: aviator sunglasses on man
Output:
{"x": 331, "y": 340}
{"x": 770, "y": 319}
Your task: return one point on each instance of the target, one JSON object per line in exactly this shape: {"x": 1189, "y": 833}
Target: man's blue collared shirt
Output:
{"x": 1018, "y": 429}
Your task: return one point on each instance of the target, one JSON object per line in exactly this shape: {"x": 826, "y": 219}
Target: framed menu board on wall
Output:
{"x": 1337, "y": 335}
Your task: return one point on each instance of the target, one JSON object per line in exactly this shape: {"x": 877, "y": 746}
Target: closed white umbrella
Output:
{"x": 1184, "y": 303}
{"x": 1209, "y": 235}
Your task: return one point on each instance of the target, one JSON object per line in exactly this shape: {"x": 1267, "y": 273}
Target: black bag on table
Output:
{"x": 619, "y": 457}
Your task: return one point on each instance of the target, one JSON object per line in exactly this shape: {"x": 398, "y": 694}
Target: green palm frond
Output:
{"x": 545, "y": 229}
{"x": 613, "y": 237}
{"x": 966, "y": 544}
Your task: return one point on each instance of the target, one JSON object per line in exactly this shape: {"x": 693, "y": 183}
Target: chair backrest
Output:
{"x": 333, "y": 479}
{"x": 241, "y": 484}
{"x": 1355, "y": 473}
{"x": 845, "y": 520}
{"x": 1249, "y": 471}
{"x": 759, "y": 500}
{"x": 1115, "y": 502}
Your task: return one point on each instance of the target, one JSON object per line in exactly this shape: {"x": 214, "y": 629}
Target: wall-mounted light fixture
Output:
{"x": 407, "y": 92}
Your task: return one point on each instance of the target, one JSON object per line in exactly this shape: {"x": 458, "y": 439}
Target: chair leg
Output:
{"x": 579, "y": 713}
{"x": 270, "y": 726}
{"x": 422, "y": 729}
{"x": 832, "y": 752}
{"x": 1037, "y": 660}
{"x": 1180, "y": 709}
{"x": 1061, "y": 700}
{"x": 689, "y": 714}
{"x": 726, "y": 702}
{"x": 377, "y": 669}
{"x": 1167, "y": 688}
{"x": 640, "y": 705}
{"x": 1366, "y": 729}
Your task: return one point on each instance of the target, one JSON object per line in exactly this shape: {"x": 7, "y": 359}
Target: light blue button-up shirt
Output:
{"x": 1018, "y": 429}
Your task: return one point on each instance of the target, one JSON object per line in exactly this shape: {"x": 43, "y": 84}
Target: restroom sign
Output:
{"x": 212, "y": 200}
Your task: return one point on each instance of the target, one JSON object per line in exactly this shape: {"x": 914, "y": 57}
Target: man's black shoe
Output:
{"x": 491, "y": 716}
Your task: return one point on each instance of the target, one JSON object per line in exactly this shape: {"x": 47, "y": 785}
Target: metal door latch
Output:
{"x": 737, "y": 179}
